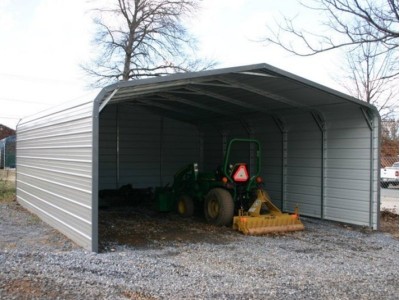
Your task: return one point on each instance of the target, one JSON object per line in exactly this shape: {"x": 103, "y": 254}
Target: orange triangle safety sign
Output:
{"x": 241, "y": 174}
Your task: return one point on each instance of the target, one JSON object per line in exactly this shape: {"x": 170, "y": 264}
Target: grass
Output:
{"x": 7, "y": 191}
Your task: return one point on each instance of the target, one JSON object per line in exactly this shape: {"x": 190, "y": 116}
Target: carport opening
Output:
{"x": 140, "y": 151}
{"x": 311, "y": 137}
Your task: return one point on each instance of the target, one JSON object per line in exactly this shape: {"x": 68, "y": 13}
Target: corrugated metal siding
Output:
{"x": 54, "y": 170}
{"x": 348, "y": 177}
{"x": 270, "y": 137}
{"x": 149, "y": 148}
{"x": 216, "y": 139}
{"x": 139, "y": 147}
{"x": 303, "y": 181}
{"x": 213, "y": 148}
{"x": 240, "y": 152}
{"x": 180, "y": 146}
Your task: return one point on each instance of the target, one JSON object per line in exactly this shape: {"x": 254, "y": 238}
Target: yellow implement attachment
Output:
{"x": 253, "y": 223}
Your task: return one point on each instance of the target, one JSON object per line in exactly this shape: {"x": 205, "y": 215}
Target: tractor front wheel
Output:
{"x": 185, "y": 206}
{"x": 219, "y": 207}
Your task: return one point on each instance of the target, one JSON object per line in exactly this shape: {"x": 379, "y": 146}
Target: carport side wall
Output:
{"x": 352, "y": 174}
{"x": 302, "y": 163}
{"x": 142, "y": 148}
{"x": 54, "y": 170}
{"x": 271, "y": 138}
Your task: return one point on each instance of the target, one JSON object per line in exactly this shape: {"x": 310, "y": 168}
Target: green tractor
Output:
{"x": 228, "y": 195}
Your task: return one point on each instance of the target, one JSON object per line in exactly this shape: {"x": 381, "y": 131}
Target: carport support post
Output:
{"x": 283, "y": 129}
{"x": 370, "y": 122}
{"x": 161, "y": 150}
{"x": 252, "y": 147}
{"x": 117, "y": 147}
{"x": 95, "y": 176}
{"x": 201, "y": 147}
{"x": 319, "y": 119}
{"x": 284, "y": 167}
{"x": 224, "y": 135}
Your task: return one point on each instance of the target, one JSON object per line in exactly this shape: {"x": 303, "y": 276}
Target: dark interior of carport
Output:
{"x": 148, "y": 129}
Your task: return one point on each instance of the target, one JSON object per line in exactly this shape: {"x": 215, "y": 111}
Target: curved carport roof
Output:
{"x": 225, "y": 93}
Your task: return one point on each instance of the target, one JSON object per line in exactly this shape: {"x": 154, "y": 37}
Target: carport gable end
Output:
{"x": 320, "y": 147}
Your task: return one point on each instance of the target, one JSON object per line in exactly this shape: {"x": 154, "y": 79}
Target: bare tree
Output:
{"x": 367, "y": 30}
{"x": 349, "y": 24}
{"x": 390, "y": 141}
{"x": 142, "y": 38}
{"x": 366, "y": 66}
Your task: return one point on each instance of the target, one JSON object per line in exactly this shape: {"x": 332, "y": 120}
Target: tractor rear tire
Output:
{"x": 185, "y": 206}
{"x": 219, "y": 207}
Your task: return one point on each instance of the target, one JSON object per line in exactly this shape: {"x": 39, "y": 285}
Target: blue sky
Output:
{"x": 44, "y": 41}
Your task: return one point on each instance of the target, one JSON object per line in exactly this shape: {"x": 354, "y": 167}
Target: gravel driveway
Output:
{"x": 326, "y": 261}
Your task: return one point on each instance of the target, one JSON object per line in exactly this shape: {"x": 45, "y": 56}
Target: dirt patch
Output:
{"x": 141, "y": 228}
{"x": 28, "y": 289}
{"x": 145, "y": 228}
{"x": 389, "y": 223}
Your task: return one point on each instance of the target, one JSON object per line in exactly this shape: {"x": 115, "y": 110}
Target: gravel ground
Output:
{"x": 195, "y": 261}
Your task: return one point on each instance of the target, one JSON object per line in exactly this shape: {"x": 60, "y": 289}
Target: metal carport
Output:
{"x": 321, "y": 147}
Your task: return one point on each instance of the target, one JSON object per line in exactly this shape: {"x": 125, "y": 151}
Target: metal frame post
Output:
{"x": 280, "y": 123}
{"x": 321, "y": 123}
